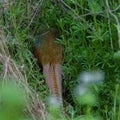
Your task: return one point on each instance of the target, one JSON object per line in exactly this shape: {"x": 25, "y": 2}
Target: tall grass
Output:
{"x": 88, "y": 30}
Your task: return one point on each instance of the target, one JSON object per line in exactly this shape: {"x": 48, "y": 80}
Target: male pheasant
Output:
{"x": 49, "y": 55}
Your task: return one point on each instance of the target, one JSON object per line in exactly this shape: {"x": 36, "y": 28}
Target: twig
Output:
{"x": 77, "y": 16}
{"x": 6, "y": 67}
{"x": 93, "y": 13}
{"x": 117, "y": 21}
{"x": 74, "y": 2}
{"x": 110, "y": 33}
{"x": 40, "y": 1}
{"x": 11, "y": 71}
{"x": 118, "y": 7}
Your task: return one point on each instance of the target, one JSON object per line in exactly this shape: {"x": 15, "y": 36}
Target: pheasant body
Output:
{"x": 49, "y": 55}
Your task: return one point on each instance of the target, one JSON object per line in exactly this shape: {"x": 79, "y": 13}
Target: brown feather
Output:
{"x": 49, "y": 54}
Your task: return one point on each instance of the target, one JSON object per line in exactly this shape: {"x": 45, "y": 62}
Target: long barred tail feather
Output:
{"x": 53, "y": 79}
{"x": 58, "y": 75}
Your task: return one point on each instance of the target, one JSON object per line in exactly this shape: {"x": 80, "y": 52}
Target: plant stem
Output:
{"x": 95, "y": 22}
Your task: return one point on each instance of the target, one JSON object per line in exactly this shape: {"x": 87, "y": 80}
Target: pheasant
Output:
{"x": 49, "y": 55}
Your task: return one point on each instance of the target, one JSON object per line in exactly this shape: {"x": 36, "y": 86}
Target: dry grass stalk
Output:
{"x": 35, "y": 107}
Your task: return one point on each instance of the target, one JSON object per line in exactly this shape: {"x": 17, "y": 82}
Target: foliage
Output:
{"x": 87, "y": 30}
{"x": 12, "y": 104}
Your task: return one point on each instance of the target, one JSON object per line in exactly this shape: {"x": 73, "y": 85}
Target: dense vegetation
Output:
{"x": 88, "y": 30}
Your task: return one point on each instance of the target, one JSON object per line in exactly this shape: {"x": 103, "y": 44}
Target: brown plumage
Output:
{"x": 49, "y": 55}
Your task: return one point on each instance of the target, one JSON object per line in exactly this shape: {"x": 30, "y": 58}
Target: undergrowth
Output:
{"x": 88, "y": 30}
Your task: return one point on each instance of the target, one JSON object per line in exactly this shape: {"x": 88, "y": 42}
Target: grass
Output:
{"x": 88, "y": 32}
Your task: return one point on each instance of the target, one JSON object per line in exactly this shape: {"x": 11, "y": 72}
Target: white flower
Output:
{"x": 54, "y": 101}
{"x": 91, "y": 76}
{"x": 80, "y": 90}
